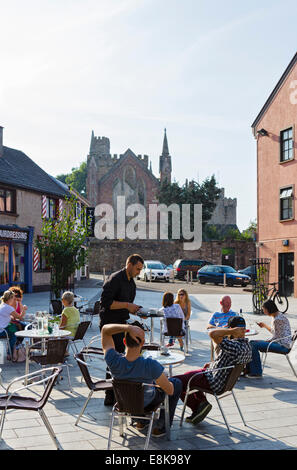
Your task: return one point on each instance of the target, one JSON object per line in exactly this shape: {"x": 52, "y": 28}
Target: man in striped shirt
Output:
{"x": 234, "y": 349}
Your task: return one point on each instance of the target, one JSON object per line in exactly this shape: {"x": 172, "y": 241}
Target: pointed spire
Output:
{"x": 165, "y": 151}
{"x": 92, "y": 140}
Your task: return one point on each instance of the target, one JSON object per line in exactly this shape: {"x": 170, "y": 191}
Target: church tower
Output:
{"x": 165, "y": 166}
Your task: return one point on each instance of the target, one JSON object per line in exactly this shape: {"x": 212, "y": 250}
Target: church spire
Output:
{"x": 165, "y": 161}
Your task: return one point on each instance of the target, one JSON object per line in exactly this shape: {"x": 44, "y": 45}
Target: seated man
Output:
{"x": 220, "y": 319}
{"x": 234, "y": 349}
{"x": 132, "y": 366}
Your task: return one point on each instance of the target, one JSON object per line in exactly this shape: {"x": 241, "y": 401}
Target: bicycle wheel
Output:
{"x": 281, "y": 302}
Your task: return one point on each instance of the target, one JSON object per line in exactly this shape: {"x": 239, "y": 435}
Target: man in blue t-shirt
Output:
{"x": 132, "y": 366}
{"x": 220, "y": 319}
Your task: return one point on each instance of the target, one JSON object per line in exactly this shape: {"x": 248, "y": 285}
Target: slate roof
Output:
{"x": 17, "y": 169}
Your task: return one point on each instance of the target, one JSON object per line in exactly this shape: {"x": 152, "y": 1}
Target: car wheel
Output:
{"x": 230, "y": 283}
{"x": 202, "y": 281}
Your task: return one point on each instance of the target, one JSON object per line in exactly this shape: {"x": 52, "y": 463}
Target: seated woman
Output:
{"x": 172, "y": 310}
{"x": 182, "y": 299}
{"x": 8, "y": 313}
{"x": 19, "y": 307}
{"x": 70, "y": 316}
{"x": 280, "y": 330}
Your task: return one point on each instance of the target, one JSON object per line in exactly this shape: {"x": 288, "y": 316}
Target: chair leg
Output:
{"x": 167, "y": 418}
{"x": 121, "y": 426}
{"x": 183, "y": 410}
{"x": 110, "y": 430}
{"x": 223, "y": 414}
{"x": 69, "y": 381}
{"x": 49, "y": 428}
{"x": 291, "y": 365}
{"x": 3, "y": 414}
{"x": 239, "y": 410}
{"x": 149, "y": 432}
{"x": 84, "y": 407}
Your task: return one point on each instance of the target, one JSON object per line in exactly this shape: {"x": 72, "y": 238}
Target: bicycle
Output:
{"x": 260, "y": 295}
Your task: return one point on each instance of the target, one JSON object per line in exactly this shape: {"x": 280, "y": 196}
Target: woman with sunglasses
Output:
{"x": 182, "y": 299}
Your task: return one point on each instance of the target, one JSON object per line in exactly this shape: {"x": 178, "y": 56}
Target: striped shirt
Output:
{"x": 232, "y": 352}
{"x": 220, "y": 319}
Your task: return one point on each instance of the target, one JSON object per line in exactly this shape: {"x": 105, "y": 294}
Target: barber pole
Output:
{"x": 60, "y": 208}
{"x": 35, "y": 259}
{"x": 43, "y": 207}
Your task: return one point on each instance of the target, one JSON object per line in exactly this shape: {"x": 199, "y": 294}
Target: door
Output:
{"x": 228, "y": 257}
{"x": 286, "y": 273}
{"x": 4, "y": 266}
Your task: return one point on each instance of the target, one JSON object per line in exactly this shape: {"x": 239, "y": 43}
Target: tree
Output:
{"x": 76, "y": 179}
{"x": 62, "y": 243}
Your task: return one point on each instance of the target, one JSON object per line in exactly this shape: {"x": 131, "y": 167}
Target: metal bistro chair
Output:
{"x": 235, "y": 372}
{"x": 290, "y": 355}
{"x": 6, "y": 339}
{"x": 130, "y": 403}
{"x": 57, "y": 307}
{"x": 174, "y": 328}
{"x": 55, "y": 355}
{"x": 12, "y": 401}
{"x": 79, "y": 335}
{"x": 98, "y": 385}
{"x": 91, "y": 312}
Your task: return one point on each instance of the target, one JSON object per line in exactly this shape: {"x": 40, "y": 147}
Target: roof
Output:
{"x": 275, "y": 90}
{"x": 127, "y": 154}
{"x": 17, "y": 169}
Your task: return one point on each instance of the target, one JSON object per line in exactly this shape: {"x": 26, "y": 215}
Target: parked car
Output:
{"x": 154, "y": 270}
{"x": 215, "y": 274}
{"x": 249, "y": 271}
{"x": 170, "y": 269}
{"x": 181, "y": 266}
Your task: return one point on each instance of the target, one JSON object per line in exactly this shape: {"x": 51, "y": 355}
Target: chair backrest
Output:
{"x": 55, "y": 350}
{"x": 49, "y": 386}
{"x": 96, "y": 308}
{"x": 57, "y": 307}
{"x": 151, "y": 347}
{"x": 84, "y": 368}
{"x": 81, "y": 330}
{"x": 129, "y": 396}
{"x": 233, "y": 377}
{"x": 174, "y": 326}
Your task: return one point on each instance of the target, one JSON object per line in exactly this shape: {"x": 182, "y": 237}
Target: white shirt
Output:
{"x": 175, "y": 311}
{"x": 5, "y": 311}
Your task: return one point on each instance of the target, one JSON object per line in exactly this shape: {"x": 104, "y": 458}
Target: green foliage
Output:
{"x": 62, "y": 243}
{"x": 76, "y": 179}
{"x": 192, "y": 193}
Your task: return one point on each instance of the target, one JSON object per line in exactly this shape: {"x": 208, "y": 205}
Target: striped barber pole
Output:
{"x": 43, "y": 206}
{"x": 60, "y": 208}
{"x": 35, "y": 259}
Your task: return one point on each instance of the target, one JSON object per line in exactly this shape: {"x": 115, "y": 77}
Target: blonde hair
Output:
{"x": 8, "y": 294}
{"x": 177, "y": 300}
{"x": 68, "y": 296}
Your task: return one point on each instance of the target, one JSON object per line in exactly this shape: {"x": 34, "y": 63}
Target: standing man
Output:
{"x": 116, "y": 304}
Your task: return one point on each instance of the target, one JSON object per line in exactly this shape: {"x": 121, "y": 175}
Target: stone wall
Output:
{"x": 112, "y": 254}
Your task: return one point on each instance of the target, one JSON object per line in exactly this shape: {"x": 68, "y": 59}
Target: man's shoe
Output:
{"x": 254, "y": 376}
{"x": 141, "y": 426}
{"x": 109, "y": 399}
{"x": 156, "y": 432}
{"x": 169, "y": 345}
{"x": 201, "y": 413}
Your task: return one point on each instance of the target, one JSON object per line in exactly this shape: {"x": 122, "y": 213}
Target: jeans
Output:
{"x": 11, "y": 336}
{"x": 159, "y": 398}
{"x": 255, "y": 367}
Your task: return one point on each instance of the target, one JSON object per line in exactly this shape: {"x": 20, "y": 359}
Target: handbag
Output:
{"x": 19, "y": 353}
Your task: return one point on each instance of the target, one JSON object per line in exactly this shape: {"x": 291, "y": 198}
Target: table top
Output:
{"x": 34, "y": 334}
{"x": 150, "y": 312}
{"x": 172, "y": 358}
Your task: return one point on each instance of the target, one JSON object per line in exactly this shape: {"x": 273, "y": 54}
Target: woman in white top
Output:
{"x": 281, "y": 335}
{"x": 8, "y": 313}
{"x": 172, "y": 310}
{"x": 183, "y": 300}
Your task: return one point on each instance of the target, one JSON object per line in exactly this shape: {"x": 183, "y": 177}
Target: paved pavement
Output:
{"x": 269, "y": 405}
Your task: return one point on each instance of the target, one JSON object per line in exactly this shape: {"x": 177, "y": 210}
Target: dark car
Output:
{"x": 215, "y": 274}
{"x": 181, "y": 266}
{"x": 249, "y": 271}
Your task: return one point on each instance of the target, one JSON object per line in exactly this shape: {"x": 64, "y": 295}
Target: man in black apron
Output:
{"x": 116, "y": 304}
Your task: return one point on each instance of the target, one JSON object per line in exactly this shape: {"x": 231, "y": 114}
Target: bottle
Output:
{"x": 55, "y": 329}
{"x": 39, "y": 319}
{"x": 45, "y": 322}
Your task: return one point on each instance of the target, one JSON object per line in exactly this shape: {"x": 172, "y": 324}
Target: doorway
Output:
{"x": 286, "y": 273}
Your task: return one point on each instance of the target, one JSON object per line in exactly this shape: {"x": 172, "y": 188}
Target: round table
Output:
{"x": 169, "y": 360}
{"x": 33, "y": 334}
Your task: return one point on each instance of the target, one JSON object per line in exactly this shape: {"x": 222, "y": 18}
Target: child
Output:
{"x": 70, "y": 316}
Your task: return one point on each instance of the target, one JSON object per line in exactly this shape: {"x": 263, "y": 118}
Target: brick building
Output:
{"x": 275, "y": 131}
{"x": 27, "y": 196}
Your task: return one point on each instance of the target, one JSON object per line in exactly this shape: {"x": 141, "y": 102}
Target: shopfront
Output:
{"x": 16, "y": 257}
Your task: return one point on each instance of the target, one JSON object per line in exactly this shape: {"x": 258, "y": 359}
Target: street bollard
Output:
{"x": 150, "y": 275}
{"x": 225, "y": 280}
{"x": 187, "y": 277}
{"x": 103, "y": 275}
{"x": 191, "y": 275}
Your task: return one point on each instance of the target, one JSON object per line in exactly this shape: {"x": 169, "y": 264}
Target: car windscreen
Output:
{"x": 155, "y": 266}
{"x": 228, "y": 269}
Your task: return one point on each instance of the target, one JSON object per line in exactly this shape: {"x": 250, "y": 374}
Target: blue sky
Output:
{"x": 129, "y": 68}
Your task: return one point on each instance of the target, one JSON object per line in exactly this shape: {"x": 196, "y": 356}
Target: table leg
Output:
{"x": 27, "y": 364}
{"x": 170, "y": 371}
{"x": 152, "y": 330}
{"x": 167, "y": 421}
{"x": 161, "y": 333}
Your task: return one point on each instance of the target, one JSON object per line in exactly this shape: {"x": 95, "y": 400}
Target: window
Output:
{"x": 286, "y": 203}
{"x": 51, "y": 208}
{"x": 7, "y": 200}
{"x": 286, "y": 141}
